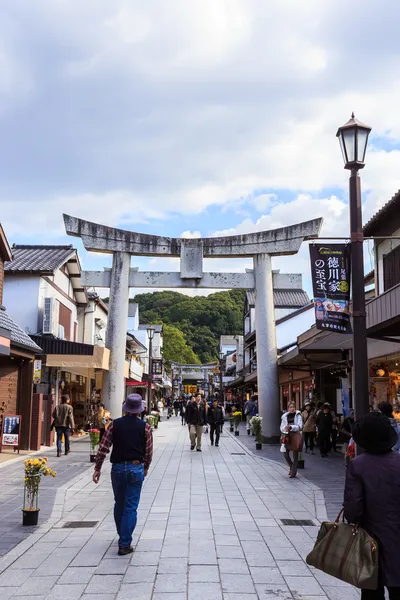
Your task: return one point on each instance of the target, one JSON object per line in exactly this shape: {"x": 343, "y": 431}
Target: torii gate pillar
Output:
{"x": 114, "y": 378}
{"x": 267, "y": 374}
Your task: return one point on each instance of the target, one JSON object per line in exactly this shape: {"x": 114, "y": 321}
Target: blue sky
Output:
{"x": 192, "y": 117}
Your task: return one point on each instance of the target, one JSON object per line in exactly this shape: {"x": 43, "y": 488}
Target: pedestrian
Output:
{"x": 372, "y": 497}
{"x": 215, "y": 417}
{"x": 249, "y": 408}
{"x": 347, "y": 432}
{"x": 335, "y": 430}
{"x": 309, "y": 416}
{"x": 196, "y": 418}
{"x": 64, "y": 423}
{"x": 221, "y": 405}
{"x": 160, "y": 405}
{"x": 100, "y": 420}
{"x": 132, "y": 451}
{"x": 182, "y": 411}
{"x": 291, "y": 422}
{"x": 387, "y": 409}
{"x": 324, "y": 425}
{"x": 176, "y": 406}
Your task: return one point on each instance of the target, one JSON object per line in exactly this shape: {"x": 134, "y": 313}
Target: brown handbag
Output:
{"x": 296, "y": 441}
{"x": 346, "y": 552}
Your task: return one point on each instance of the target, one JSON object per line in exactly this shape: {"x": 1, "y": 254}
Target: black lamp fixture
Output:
{"x": 353, "y": 139}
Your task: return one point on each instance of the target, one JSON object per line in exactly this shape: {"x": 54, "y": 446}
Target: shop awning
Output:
{"x": 251, "y": 377}
{"x": 98, "y": 360}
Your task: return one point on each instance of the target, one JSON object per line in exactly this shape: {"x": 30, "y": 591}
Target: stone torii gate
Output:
{"x": 260, "y": 246}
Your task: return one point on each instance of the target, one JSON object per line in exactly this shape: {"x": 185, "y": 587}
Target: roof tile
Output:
{"x": 283, "y": 298}
{"x": 18, "y": 335}
{"x": 38, "y": 259}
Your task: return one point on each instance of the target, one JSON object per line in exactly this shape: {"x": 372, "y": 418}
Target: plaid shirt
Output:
{"x": 107, "y": 442}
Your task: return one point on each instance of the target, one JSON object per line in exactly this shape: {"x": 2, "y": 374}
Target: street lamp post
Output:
{"x": 353, "y": 138}
{"x": 150, "y": 333}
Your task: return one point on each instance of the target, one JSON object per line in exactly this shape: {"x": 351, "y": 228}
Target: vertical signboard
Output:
{"x": 330, "y": 271}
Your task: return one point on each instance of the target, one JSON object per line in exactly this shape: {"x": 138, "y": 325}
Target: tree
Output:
{"x": 175, "y": 347}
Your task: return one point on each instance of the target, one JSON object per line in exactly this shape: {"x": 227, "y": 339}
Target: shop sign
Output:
{"x": 190, "y": 389}
{"x": 157, "y": 368}
{"x": 37, "y": 371}
{"x": 11, "y": 429}
{"x": 330, "y": 272}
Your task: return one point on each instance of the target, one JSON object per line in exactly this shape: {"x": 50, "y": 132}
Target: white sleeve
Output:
{"x": 283, "y": 423}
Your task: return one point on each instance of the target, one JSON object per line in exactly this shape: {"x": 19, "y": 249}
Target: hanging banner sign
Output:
{"x": 37, "y": 371}
{"x": 330, "y": 272}
{"x": 157, "y": 368}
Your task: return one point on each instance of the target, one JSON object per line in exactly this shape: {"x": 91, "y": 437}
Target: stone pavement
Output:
{"x": 12, "y": 489}
{"x": 209, "y": 527}
{"x": 328, "y": 474}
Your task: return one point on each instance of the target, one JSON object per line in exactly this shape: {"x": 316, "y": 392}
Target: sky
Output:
{"x": 193, "y": 117}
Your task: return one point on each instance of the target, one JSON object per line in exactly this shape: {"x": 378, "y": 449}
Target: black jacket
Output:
{"x": 215, "y": 415}
{"x": 324, "y": 423}
{"x": 196, "y": 415}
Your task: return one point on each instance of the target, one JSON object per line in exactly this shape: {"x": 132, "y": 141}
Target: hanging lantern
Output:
{"x": 380, "y": 373}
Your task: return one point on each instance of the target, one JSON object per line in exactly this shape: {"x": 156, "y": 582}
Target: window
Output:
{"x": 391, "y": 268}
{"x": 64, "y": 320}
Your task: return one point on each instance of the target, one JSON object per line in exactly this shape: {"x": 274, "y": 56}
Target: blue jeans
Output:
{"x": 60, "y": 431}
{"x": 127, "y": 480}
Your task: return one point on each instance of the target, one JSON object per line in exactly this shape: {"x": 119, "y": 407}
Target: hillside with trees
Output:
{"x": 201, "y": 320}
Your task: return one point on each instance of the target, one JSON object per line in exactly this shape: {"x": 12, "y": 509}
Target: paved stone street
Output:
{"x": 328, "y": 474}
{"x": 12, "y": 489}
{"x": 209, "y": 527}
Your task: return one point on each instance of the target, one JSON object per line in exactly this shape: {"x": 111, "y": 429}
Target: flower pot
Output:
{"x": 93, "y": 458}
{"x": 156, "y": 424}
{"x": 258, "y": 446}
{"x": 30, "y": 517}
{"x": 236, "y": 433}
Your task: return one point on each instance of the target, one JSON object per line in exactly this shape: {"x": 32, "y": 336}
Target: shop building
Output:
{"x": 17, "y": 352}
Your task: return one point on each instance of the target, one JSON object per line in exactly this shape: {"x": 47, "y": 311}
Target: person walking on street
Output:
{"x": 324, "y": 425}
{"x": 372, "y": 497}
{"x": 347, "y": 432}
{"x": 309, "y": 416}
{"x": 160, "y": 405}
{"x": 176, "y": 406}
{"x": 291, "y": 422}
{"x": 182, "y": 411}
{"x": 335, "y": 431}
{"x": 215, "y": 417}
{"x": 64, "y": 423}
{"x": 249, "y": 409}
{"x": 132, "y": 451}
{"x": 221, "y": 405}
{"x": 196, "y": 418}
{"x": 387, "y": 409}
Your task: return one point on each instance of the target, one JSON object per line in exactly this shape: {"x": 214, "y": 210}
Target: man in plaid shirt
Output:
{"x": 132, "y": 442}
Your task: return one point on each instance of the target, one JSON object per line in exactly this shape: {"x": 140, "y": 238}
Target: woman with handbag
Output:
{"x": 292, "y": 438}
{"x": 372, "y": 498}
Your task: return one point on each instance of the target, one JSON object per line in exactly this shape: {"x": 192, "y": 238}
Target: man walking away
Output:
{"x": 215, "y": 417}
{"x": 176, "y": 407}
{"x": 249, "y": 409}
{"x": 324, "y": 424}
{"x": 221, "y": 405}
{"x": 196, "y": 418}
{"x": 132, "y": 442}
{"x": 63, "y": 416}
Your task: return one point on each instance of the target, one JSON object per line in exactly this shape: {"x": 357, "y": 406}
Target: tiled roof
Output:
{"x": 38, "y": 259}
{"x": 18, "y": 335}
{"x": 283, "y": 298}
{"x": 383, "y": 215}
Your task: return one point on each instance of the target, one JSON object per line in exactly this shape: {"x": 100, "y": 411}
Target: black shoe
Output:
{"x": 67, "y": 452}
{"x": 198, "y": 449}
{"x": 124, "y": 551}
{"x": 217, "y": 445}
{"x": 212, "y": 444}
{"x": 192, "y": 447}
{"x": 248, "y": 432}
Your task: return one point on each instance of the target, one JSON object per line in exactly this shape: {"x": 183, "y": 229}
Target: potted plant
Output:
{"x": 256, "y": 423}
{"x": 237, "y": 417}
{"x": 150, "y": 420}
{"x": 35, "y": 469}
{"x": 94, "y": 436}
{"x": 156, "y": 416}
